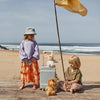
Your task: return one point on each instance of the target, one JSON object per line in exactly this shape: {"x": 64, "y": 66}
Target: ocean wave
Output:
{"x": 11, "y": 47}
{"x": 66, "y": 49}
{"x": 72, "y": 49}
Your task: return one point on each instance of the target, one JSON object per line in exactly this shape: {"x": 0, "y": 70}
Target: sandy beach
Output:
{"x": 10, "y": 78}
{"x": 10, "y": 65}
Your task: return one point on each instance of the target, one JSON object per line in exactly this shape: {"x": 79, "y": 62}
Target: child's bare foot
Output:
{"x": 21, "y": 87}
{"x": 34, "y": 87}
{"x": 72, "y": 91}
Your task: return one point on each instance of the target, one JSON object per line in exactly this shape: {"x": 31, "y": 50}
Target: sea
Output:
{"x": 69, "y": 48}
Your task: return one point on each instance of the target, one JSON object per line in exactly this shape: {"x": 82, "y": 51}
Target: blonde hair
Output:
{"x": 75, "y": 61}
{"x": 25, "y": 37}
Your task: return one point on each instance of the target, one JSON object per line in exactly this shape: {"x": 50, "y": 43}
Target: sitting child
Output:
{"x": 73, "y": 76}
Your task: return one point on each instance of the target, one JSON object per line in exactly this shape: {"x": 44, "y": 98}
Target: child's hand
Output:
{"x": 64, "y": 86}
{"x": 66, "y": 79}
{"x": 66, "y": 82}
{"x": 32, "y": 59}
{"x": 69, "y": 83}
{"x": 27, "y": 60}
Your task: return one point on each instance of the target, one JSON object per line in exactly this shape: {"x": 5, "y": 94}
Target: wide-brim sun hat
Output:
{"x": 30, "y": 30}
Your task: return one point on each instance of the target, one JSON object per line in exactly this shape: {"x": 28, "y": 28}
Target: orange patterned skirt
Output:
{"x": 30, "y": 73}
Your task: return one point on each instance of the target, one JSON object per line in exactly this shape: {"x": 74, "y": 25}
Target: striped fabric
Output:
{"x": 30, "y": 73}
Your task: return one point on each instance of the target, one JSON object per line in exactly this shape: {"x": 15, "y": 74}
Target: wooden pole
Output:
{"x": 59, "y": 38}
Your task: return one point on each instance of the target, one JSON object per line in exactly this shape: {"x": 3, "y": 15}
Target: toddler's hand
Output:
{"x": 27, "y": 60}
{"x": 32, "y": 59}
{"x": 66, "y": 82}
{"x": 66, "y": 79}
{"x": 70, "y": 83}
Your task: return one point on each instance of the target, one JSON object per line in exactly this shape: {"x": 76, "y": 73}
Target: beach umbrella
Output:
{"x": 73, "y": 6}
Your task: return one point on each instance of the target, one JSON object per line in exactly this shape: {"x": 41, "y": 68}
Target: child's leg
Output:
{"x": 34, "y": 87}
{"x": 35, "y": 74}
{"x": 75, "y": 86}
{"x": 62, "y": 85}
{"x": 23, "y": 85}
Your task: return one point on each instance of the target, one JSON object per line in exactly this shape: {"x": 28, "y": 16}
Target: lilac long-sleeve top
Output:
{"x": 28, "y": 49}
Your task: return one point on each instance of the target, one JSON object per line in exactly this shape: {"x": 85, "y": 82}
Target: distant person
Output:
{"x": 73, "y": 76}
{"x": 29, "y": 54}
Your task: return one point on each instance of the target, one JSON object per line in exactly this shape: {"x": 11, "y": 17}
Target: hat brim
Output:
{"x": 30, "y": 33}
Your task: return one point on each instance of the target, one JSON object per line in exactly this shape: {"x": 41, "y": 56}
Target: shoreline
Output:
{"x": 15, "y": 50}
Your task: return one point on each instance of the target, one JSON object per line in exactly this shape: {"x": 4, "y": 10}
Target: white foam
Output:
{"x": 66, "y": 49}
{"x": 11, "y": 47}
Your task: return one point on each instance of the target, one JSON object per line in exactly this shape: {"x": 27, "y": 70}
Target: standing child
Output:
{"x": 29, "y": 54}
{"x": 73, "y": 76}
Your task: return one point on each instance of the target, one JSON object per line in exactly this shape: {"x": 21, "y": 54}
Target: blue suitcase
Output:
{"x": 46, "y": 73}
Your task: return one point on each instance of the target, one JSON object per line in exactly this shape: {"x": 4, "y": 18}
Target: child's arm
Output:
{"x": 32, "y": 59}
{"x": 22, "y": 53}
{"x": 77, "y": 78}
{"x": 66, "y": 81}
{"x": 36, "y": 52}
{"x": 71, "y": 82}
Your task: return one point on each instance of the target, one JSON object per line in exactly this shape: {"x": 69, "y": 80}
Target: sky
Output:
{"x": 17, "y": 15}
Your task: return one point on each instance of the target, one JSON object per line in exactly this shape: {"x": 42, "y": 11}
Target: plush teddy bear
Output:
{"x": 51, "y": 89}
{"x": 50, "y": 62}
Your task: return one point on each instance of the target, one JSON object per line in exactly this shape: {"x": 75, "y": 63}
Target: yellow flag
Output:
{"x": 73, "y": 6}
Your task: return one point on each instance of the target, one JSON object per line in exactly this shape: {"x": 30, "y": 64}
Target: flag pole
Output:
{"x": 59, "y": 38}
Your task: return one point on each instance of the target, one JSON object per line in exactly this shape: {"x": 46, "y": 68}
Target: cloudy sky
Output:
{"x": 16, "y": 15}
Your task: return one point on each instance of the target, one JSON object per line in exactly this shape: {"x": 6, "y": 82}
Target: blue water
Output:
{"x": 71, "y": 48}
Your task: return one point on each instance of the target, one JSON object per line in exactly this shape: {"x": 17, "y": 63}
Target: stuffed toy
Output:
{"x": 50, "y": 62}
{"x": 51, "y": 89}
